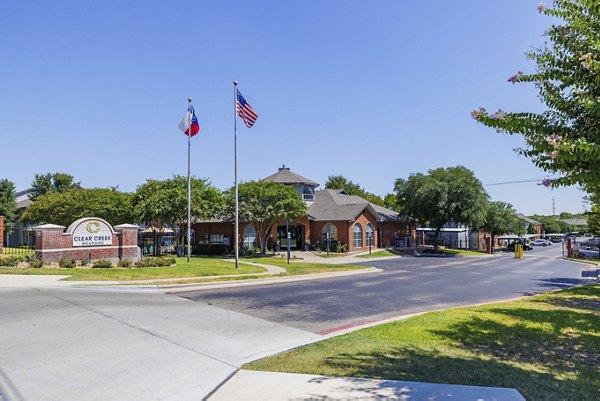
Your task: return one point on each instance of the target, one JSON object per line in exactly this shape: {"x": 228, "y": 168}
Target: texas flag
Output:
{"x": 184, "y": 125}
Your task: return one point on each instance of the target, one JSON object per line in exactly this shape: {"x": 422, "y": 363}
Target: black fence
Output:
{"x": 19, "y": 240}
{"x": 157, "y": 243}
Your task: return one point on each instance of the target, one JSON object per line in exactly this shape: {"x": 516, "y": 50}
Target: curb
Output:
{"x": 179, "y": 288}
{"x": 175, "y": 289}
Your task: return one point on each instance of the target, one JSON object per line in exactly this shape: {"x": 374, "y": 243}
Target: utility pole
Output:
{"x": 553, "y": 206}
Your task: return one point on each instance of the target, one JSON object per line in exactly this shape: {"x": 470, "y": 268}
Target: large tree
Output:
{"x": 565, "y": 138}
{"x": 64, "y": 208}
{"x": 352, "y": 188}
{"x": 265, "y": 203}
{"x": 444, "y": 195}
{"x": 501, "y": 218}
{"x": 48, "y": 183}
{"x": 8, "y": 202}
{"x": 164, "y": 203}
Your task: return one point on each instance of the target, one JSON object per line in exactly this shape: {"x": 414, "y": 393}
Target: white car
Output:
{"x": 541, "y": 242}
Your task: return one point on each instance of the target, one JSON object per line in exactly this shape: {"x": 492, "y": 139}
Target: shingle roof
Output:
{"x": 527, "y": 219}
{"x": 575, "y": 222}
{"x": 335, "y": 204}
{"x": 285, "y": 176}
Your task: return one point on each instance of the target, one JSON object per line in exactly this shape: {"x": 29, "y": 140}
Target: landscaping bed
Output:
{"x": 546, "y": 346}
{"x": 197, "y": 267}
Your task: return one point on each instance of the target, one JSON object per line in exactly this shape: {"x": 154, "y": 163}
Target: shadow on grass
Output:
{"x": 546, "y": 353}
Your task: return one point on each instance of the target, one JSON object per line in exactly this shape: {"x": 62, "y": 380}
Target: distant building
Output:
{"x": 527, "y": 222}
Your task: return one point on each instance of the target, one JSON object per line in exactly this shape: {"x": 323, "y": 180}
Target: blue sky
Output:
{"x": 372, "y": 90}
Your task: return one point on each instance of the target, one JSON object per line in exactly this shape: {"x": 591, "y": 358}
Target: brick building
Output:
{"x": 347, "y": 219}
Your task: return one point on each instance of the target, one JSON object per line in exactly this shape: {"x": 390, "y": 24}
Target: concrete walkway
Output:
{"x": 250, "y": 385}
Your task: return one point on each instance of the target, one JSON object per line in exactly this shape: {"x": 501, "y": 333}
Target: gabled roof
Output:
{"x": 335, "y": 204}
{"x": 527, "y": 219}
{"x": 285, "y": 176}
{"x": 22, "y": 198}
{"x": 575, "y": 222}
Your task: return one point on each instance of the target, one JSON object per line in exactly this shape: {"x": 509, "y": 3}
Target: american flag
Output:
{"x": 245, "y": 111}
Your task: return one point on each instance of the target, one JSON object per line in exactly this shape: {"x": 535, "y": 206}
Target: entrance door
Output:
{"x": 282, "y": 237}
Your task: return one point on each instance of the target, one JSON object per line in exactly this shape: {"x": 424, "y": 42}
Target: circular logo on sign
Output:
{"x": 92, "y": 227}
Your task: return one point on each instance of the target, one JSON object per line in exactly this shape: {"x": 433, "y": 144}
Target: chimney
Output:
{"x": 284, "y": 168}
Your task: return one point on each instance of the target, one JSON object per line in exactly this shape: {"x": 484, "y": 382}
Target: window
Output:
{"x": 332, "y": 230}
{"x": 357, "y": 236}
{"x": 369, "y": 231}
{"x": 249, "y": 236}
{"x": 308, "y": 194}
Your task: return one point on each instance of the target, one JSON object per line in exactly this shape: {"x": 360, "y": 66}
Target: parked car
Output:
{"x": 586, "y": 253}
{"x": 592, "y": 243}
{"x": 541, "y": 242}
{"x": 526, "y": 245}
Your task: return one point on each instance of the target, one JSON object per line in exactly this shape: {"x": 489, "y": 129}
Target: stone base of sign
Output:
{"x": 1, "y": 234}
{"x": 87, "y": 239}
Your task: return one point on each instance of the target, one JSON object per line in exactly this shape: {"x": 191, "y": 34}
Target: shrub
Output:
{"x": 36, "y": 263}
{"x": 125, "y": 263}
{"x": 66, "y": 263}
{"x": 157, "y": 262}
{"x": 214, "y": 249}
{"x": 11, "y": 261}
{"x": 85, "y": 262}
{"x": 102, "y": 264}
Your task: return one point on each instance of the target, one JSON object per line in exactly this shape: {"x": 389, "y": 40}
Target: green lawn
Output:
{"x": 298, "y": 267}
{"x": 378, "y": 254}
{"x": 547, "y": 346}
{"x": 198, "y": 267}
{"x": 464, "y": 252}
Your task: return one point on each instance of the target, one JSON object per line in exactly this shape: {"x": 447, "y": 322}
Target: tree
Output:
{"x": 444, "y": 195}
{"x": 593, "y": 220}
{"x": 352, "y": 188}
{"x": 265, "y": 203}
{"x": 501, "y": 218}
{"x": 165, "y": 202}
{"x": 564, "y": 139}
{"x": 48, "y": 183}
{"x": 8, "y": 202}
{"x": 64, "y": 208}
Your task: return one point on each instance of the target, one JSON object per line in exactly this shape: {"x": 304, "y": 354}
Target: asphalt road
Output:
{"x": 406, "y": 285}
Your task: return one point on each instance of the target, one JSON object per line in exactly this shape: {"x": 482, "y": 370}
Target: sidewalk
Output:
{"x": 250, "y": 385}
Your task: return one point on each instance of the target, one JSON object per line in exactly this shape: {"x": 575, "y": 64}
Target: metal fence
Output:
{"x": 19, "y": 240}
{"x": 157, "y": 243}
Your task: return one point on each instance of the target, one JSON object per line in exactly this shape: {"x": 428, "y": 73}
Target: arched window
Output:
{"x": 357, "y": 236}
{"x": 369, "y": 231}
{"x": 249, "y": 236}
{"x": 330, "y": 229}
{"x": 308, "y": 194}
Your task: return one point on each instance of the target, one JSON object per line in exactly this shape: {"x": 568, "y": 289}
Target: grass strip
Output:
{"x": 197, "y": 267}
{"x": 377, "y": 254}
{"x": 546, "y": 346}
{"x": 297, "y": 267}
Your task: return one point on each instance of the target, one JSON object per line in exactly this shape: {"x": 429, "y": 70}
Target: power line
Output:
{"x": 515, "y": 182}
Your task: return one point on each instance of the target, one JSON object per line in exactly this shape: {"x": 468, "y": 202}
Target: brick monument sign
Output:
{"x": 89, "y": 238}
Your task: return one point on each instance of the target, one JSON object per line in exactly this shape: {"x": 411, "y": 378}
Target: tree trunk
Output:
{"x": 435, "y": 239}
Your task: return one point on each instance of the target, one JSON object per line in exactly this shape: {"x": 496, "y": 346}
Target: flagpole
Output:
{"x": 189, "y": 185}
{"x": 235, "y": 241}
